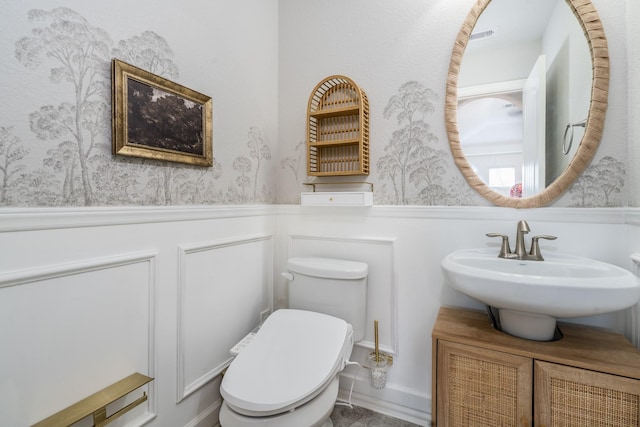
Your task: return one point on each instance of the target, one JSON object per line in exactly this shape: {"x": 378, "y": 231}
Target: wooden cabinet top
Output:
{"x": 581, "y": 346}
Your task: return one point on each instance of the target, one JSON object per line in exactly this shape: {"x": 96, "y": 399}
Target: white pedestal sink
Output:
{"x": 530, "y": 295}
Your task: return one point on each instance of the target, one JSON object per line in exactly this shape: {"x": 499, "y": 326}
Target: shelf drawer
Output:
{"x": 346, "y": 198}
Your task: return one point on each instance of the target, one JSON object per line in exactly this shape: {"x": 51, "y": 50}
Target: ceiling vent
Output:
{"x": 484, "y": 34}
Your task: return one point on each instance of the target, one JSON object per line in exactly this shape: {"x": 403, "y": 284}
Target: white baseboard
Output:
{"x": 207, "y": 418}
{"x": 397, "y": 401}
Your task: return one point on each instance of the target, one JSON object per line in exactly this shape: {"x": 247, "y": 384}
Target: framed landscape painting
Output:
{"x": 156, "y": 118}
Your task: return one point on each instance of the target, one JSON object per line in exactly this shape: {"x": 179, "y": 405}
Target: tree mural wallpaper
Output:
{"x": 413, "y": 169}
{"x": 244, "y": 165}
{"x": 294, "y": 162}
{"x": 599, "y": 183}
{"x": 75, "y": 51}
{"x": 11, "y": 152}
{"x": 77, "y": 167}
{"x": 59, "y": 152}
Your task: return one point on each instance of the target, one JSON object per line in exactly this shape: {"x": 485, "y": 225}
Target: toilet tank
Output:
{"x": 331, "y": 286}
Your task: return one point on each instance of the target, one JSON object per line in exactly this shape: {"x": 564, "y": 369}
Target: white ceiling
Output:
{"x": 516, "y": 21}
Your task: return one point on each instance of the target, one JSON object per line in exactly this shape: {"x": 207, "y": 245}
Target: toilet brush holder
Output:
{"x": 378, "y": 363}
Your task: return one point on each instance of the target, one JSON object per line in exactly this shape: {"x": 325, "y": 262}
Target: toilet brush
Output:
{"x": 375, "y": 334}
{"x": 378, "y": 362}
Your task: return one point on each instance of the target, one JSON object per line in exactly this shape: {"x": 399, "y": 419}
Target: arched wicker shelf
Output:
{"x": 337, "y": 129}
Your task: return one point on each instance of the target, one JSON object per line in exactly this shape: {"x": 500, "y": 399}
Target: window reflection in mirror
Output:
{"x": 491, "y": 137}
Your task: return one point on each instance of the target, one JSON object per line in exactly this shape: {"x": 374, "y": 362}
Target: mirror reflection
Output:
{"x": 524, "y": 93}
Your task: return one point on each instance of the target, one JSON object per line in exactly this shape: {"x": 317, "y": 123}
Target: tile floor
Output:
{"x": 343, "y": 416}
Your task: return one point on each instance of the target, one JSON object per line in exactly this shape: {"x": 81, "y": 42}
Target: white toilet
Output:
{"x": 287, "y": 376}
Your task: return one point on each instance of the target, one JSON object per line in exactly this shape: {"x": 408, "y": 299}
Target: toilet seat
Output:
{"x": 289, "y": 361}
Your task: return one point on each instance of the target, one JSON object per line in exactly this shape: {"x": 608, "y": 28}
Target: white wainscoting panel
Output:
{"x": 633, "y": 317}
{"x": 69, "y": 330}
{"x": 223, "y": 287}
{"x": 378, "y": 253}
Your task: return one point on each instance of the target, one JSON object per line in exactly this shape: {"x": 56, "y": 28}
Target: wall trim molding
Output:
{"x": 54, "y": 271}
{"x": 204, "y": 418}
{"x": 633, "y": 216}
{"x": 475, "y": 213}
{"x": 29, "y": 219}
{"x": 183, "y": 389}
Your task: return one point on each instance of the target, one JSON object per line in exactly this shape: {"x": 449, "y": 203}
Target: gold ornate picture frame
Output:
{"x": 156, "y": 118}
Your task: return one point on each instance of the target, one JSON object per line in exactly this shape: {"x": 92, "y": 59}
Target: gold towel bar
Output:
{"x": 96, "y": 404}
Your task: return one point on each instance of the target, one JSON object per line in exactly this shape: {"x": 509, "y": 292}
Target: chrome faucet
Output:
{"x": 521, "y": 250}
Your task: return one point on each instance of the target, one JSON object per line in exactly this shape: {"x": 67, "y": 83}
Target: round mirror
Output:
{"x": 526, "y": 97}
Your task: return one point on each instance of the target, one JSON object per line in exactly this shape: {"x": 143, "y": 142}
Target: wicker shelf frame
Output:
{"x": 337, "y": 129}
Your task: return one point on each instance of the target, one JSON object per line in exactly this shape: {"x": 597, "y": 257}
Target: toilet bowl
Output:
{"x": 314, "y": 413}
{"x": 287, "y": 376}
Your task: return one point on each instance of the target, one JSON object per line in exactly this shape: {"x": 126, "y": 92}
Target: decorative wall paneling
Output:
{"x": 54, "y": 252}
{"x": 41, "y": 243}
{"x": 381, "y": 290}
{"x": 633, "y": 313}
{"x": 32, "y": 219}
{"x": 224, "y": 285}
{"x": 84, "y": 324}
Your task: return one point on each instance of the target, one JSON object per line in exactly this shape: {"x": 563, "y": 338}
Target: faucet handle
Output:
{"x": 535, "y": 247}
{"x": 505, "y": 249}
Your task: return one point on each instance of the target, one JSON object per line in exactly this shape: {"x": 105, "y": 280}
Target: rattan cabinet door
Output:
{"x": 573, "y": 397}
{"x": 482, "y": 388}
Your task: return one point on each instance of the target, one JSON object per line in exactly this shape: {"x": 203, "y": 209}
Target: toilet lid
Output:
{"x": 287, "y": 363}
{"x": 328, "y": 268}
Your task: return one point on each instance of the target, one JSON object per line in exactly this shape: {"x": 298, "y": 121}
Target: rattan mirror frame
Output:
{"x": 593, "y": 28}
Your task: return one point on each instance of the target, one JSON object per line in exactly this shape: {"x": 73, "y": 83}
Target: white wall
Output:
{"x": 160, "y": 258}
{"x": 89, "y": 297}
{"x": 420, "y": 237}
{"x": 633, "y": 79}
{"x": 225, "y": 50}
{"x": 567, "y": 99}
{"x": 398, "y": 51}
{"x": 633, "y": 319}
{"x": 633, "y": 38}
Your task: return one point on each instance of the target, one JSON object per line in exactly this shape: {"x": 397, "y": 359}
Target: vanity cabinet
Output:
{"x": 485, "y": 378}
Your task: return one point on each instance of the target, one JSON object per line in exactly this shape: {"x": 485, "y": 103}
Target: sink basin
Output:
{"x": 530, "y": 295}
